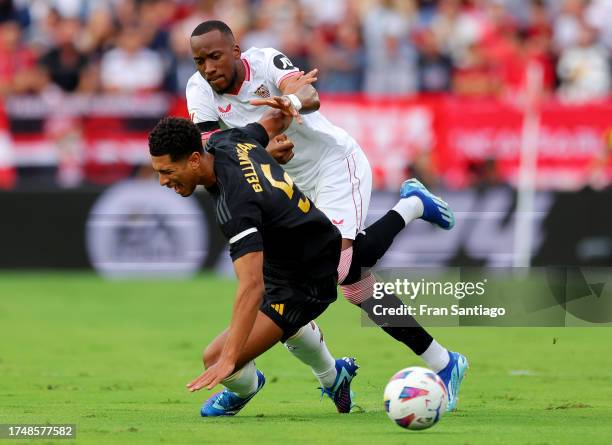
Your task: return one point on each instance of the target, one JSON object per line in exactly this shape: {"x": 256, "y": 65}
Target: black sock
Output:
{"x": 411, "y": 333}
{"x": 368, "y": 248}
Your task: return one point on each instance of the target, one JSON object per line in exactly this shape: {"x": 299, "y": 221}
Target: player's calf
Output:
{"x": 211, "y": 353}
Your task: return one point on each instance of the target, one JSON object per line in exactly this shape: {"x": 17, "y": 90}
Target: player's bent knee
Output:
{"x": 360, "y": 291}
{"x": 346, "y": 295}
{"x": 210, "y": 355}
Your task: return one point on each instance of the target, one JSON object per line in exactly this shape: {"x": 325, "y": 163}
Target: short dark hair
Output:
{"x": 212, "y": 25}
{"x": 175, "y": 136}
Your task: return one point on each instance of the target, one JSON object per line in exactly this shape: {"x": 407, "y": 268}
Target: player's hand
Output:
{"x": 293, "y": 84}
{"x": 290, "y": 86}
{"x": 281, "y": 103}
{"x": 212, "y": 376}
{"x": 281, "y": 149}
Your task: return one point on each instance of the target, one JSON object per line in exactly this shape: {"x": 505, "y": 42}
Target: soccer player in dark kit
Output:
{"x": 285, "y": 253}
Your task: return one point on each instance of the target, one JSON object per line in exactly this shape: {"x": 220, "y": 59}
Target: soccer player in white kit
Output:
{"x": 328, "y": 165}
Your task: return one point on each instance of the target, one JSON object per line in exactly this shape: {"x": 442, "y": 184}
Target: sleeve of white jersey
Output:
{"x": 278, "y": 66}
{"x": 199, "y": 103}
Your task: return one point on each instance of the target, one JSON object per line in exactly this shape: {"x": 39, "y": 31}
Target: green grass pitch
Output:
{"x": 114, "y": 357}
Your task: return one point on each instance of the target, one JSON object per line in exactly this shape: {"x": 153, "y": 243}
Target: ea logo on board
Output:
{"x": 138, "y": 229}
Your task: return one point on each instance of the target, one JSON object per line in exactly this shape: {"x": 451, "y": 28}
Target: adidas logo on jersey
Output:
{"x": 262, "y": 91}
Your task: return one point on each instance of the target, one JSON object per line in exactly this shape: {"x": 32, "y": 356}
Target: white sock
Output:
{"x": 436, "y": 357}
{"x": 409, "y": 208}
{"x": 244, "y": 381}
{"x": 309, "y": 347}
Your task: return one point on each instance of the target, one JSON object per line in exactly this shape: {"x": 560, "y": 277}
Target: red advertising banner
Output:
{"x": 573, "y": 142}
{"x": 445, "y": 139}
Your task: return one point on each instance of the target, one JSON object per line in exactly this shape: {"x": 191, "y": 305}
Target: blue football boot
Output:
{"x": 227, "y": 403}
{"x": 340, "y": 391}
{"x": 435, "y": 210}
{"x": 452, "y": 376}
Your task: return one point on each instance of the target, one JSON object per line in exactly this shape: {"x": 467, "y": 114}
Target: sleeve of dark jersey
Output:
{"x": 208, "y": 128}
{"x": 257, "y": 132}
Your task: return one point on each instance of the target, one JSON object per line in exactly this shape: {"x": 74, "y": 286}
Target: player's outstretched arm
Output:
{"x": 249, "y": 271}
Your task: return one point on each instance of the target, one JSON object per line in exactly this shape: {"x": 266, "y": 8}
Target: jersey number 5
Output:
{"x": 286, "y": 186}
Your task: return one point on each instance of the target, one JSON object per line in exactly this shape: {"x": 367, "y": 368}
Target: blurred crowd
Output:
{"x": 474, "y": 48}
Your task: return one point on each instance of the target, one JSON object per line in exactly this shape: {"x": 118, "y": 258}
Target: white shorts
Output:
{"x": 343, "y": 193}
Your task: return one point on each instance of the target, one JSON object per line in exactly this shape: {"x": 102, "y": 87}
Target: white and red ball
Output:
{"x": 415, "y": 398}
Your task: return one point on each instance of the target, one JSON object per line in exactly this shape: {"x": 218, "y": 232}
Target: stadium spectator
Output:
{"x": 584, "y": 69}
{"x": 125, "y": 13}
{"x": 11, "y": 11}
{"x": 18, "y": 71}
{"x": 340, "y": 61}
{"x": 567, "y": 25}
{"x": 98, "y": 33}
{"x": 455, "y": 29}
{"x": 64, "y": 64}
{"x": 502, "y": 47}
{"x": 390, "y": 58}
{"x": 181, "y": 62}
{"x": 155, "y": 20}
{"x": 537, "y": 49}
{"x": 538, "y": 21}
{"x": 324, "y": 12}
{"x": 261, "y": 33}
{"x": 599, "y": 16}
{"x": 131, "y": 67}
{"x": 297, "y": 45}
{"x": 435, "y": 69}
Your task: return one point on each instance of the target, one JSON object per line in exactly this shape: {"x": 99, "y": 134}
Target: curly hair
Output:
{"x": 176, "y": 137}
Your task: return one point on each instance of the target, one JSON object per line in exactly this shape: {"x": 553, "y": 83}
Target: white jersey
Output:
{"x": 318, "y": 143}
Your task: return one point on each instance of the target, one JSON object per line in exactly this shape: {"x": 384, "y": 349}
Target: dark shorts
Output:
{"x": 292, "y": 304}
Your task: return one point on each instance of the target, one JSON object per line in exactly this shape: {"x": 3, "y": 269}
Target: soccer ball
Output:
{"x": 415, "y": 398}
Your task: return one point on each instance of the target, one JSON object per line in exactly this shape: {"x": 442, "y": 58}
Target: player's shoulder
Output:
{"x": 247, "y": 133}
{"x": 254, "y": 53}
{"x": 263, "y": 56}
{"x": 224, "y": 140}
{"x": 218, "y": 139}
{"x": 220, "y": 145}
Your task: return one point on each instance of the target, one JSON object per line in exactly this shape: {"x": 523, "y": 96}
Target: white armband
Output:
{"x": 295, "y": 101}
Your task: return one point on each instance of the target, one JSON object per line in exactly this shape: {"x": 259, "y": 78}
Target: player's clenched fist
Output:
{"x": 281, "y": 148}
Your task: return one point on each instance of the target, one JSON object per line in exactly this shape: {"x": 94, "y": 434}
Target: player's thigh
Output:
{"x": 264, "y": 335}
{"x": 343, "y": 194}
